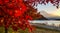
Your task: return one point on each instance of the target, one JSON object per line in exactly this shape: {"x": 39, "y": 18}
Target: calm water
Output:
{"x": 49, "y": 22}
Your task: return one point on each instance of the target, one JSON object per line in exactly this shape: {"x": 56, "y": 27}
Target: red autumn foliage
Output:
{"x": 12, "y": 12}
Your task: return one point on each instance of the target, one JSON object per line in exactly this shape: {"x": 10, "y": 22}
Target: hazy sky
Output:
{"x": 49, "y": 8}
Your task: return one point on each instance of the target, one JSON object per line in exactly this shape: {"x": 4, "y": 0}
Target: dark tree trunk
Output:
{"x": 6, "y": 30}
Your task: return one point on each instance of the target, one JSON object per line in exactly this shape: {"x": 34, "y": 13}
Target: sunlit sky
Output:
{"x": 57, "y": 12}
{"x": 49, "y": 8}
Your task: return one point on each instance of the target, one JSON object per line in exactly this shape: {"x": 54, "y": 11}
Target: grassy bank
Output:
{"x": 38, "y": 30}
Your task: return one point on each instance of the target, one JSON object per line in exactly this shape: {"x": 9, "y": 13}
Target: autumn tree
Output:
{"x": 13, "y": 12}
{"x": 34, "y": 14}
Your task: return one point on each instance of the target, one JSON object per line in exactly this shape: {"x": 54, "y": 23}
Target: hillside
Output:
{"x": 49, "y": 16}
{"x": 37, "y": 30}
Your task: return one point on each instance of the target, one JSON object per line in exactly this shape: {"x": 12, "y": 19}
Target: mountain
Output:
{"x": 49, "y": 16}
